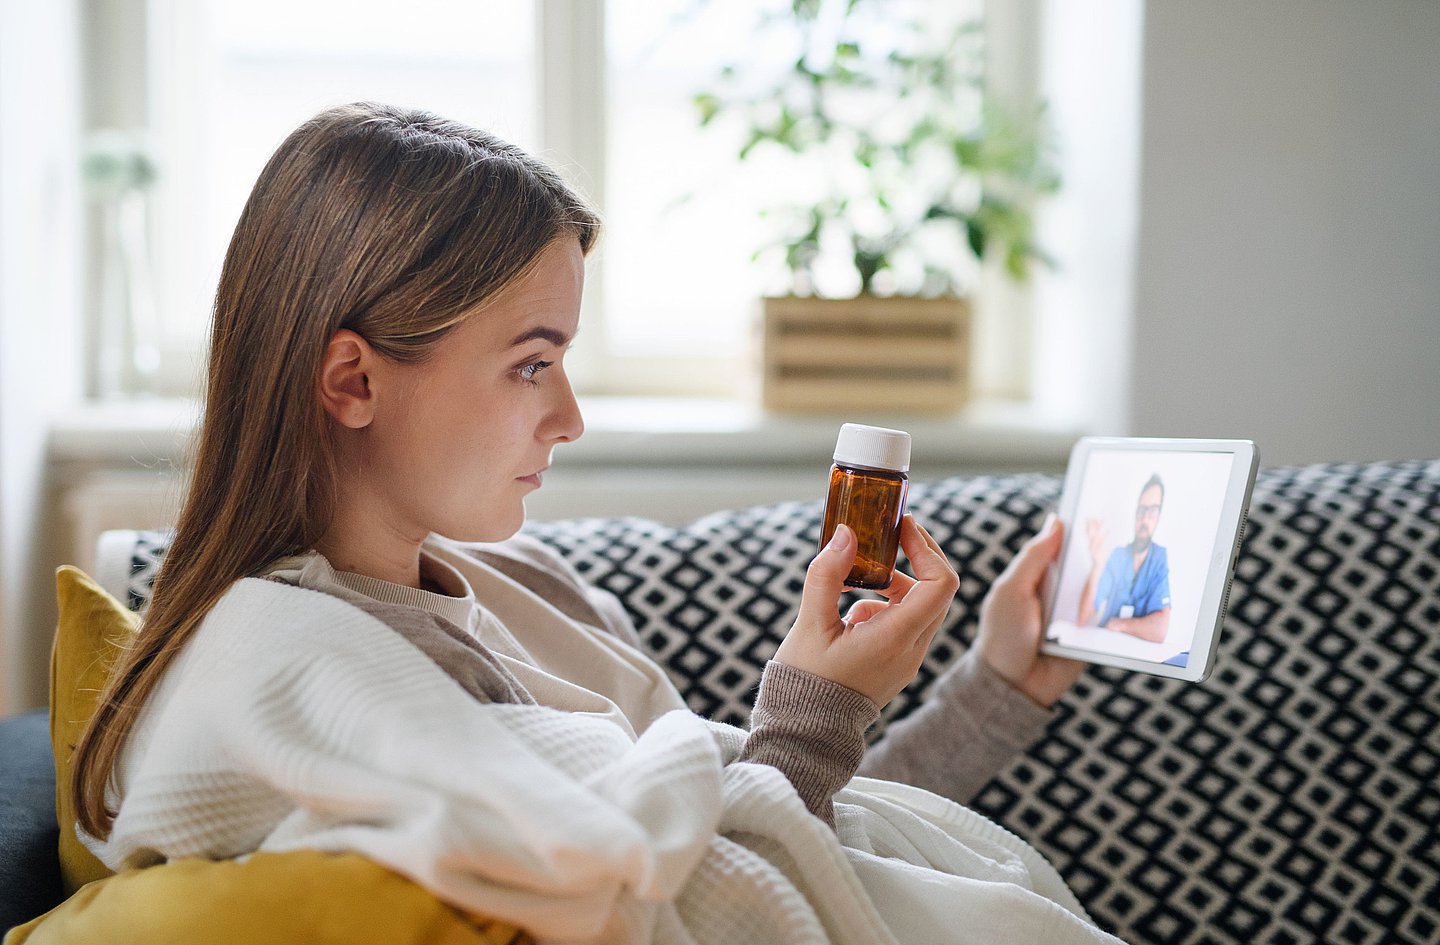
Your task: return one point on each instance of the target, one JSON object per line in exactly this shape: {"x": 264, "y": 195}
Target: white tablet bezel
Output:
{"x": 1220, "y": 571}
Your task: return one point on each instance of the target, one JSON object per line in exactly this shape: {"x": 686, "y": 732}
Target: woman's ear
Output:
{"x": 345, "y": 390}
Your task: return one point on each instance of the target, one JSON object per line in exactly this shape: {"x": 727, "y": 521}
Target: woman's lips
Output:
{"x": 534, "y": 479}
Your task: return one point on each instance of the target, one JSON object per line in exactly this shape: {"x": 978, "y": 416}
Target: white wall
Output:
{"x": 1090, "y": 82}
{"x": 1288, "y": 283}
{"x": 40, "y": 208}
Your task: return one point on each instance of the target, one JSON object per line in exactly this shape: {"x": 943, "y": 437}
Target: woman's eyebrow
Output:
{"x": 556, "y": 337}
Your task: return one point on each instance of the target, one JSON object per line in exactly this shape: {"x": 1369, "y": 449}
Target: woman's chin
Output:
{"x": 494, "y": 529}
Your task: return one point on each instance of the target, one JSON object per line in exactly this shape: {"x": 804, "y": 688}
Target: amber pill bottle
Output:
{"x": 867, "y": 493}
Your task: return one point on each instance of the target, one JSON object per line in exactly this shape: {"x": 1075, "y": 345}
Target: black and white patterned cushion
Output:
{"x": 1292, "y": 797}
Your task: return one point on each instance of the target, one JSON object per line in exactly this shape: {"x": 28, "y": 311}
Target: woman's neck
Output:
{"x": 367, "y": 546}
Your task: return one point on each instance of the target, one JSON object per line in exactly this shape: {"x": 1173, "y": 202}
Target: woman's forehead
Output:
{"x": 543, "y": 304}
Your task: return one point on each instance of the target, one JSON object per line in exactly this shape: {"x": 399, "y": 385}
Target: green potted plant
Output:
{"x": 915, "y": 177}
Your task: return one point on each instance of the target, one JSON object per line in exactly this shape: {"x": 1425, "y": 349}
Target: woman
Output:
{"x": 320, "y": 668}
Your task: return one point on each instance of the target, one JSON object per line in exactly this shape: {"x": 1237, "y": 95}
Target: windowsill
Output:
{"x": 634, "y": 432}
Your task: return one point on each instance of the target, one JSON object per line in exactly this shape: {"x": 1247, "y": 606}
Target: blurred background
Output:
{"x": 1234, "y": 211}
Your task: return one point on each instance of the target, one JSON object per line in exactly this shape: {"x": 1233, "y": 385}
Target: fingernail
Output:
{"x": 841, "y": 539}
{"x": 1049, "y": 523}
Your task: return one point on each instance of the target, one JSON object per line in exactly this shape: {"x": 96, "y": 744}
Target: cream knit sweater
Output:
{"x": 505, "y": 746}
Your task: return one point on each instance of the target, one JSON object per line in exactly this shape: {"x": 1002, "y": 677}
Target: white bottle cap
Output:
{"x": 873, "y": 447}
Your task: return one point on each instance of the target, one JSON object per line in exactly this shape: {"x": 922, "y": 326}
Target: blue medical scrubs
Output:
{"x": 1147, "y": 590}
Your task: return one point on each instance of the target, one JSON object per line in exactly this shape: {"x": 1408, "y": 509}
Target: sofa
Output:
{"x": 1293, "y": 796}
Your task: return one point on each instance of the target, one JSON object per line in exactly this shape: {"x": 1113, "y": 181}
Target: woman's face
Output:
{"x": 472, "y": 428}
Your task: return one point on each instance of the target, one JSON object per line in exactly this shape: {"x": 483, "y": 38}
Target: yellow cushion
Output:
{"x": 93, "y": 627}
{"x": 302, "y": 896}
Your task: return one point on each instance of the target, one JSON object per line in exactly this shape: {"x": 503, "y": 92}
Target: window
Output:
{"x": 602, "y": 89}
{"x": 228, "y": 82}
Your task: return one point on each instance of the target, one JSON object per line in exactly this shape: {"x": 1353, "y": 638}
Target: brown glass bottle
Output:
{"x": 871, "y": 502}
{"x": 867, "y": 493}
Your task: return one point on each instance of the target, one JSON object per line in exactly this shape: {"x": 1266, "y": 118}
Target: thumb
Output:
{"x": 825, "y": 578}
{"x": 1039, "y": 552}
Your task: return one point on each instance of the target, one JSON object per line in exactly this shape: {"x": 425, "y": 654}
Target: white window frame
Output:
{"x": 181, "y": 354}
{"x": 571, "y": 87}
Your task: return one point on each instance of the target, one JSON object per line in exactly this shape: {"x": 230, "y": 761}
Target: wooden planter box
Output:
{"x": 871, "y": 353}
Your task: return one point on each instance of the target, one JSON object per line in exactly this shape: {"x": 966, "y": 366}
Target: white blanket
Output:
{"x": 293, "y": 720}
{"x": 740, "y": 860}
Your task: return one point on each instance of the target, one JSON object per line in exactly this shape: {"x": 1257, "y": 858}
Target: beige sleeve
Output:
{"x": 812, "y": 730}
{"x": 972, "y": 724}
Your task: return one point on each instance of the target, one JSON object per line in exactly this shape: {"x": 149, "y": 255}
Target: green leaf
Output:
{"x": 866, "y": 151}
{"x": 757, "y": 135}
{"x": 975, "y": 236}
{"x": 1017, "y": 262}
{"x": 708, "y": 105}
{"x": 967, "y": 152}
{"x": 867, "y": 264}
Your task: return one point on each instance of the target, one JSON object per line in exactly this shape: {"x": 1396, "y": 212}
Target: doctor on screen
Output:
{"x": 1131, "y": 592}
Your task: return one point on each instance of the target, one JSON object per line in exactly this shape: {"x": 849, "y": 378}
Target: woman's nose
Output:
{"x": 565, "y": 422}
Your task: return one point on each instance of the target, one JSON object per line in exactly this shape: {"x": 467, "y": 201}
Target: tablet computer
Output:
{"x": 1152, "y": 531}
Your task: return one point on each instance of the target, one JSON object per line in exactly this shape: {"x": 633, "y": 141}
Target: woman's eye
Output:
{"x": 528, "y": 372}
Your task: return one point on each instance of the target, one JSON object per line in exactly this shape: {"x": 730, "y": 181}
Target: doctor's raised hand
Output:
{"x": 1096, "y": 532}
{"x": 877, "y": 647}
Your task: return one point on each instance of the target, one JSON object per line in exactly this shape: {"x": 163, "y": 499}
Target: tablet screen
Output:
{"x": 1139, "y": 549}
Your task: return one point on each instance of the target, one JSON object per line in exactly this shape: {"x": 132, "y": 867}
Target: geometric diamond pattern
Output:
{"x": 1291, "y": 797}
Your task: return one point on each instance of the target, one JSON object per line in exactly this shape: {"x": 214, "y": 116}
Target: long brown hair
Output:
{"x": 391, "y": 222}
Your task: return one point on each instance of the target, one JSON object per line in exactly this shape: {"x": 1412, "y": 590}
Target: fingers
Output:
{"x": 934, "y": 584}
{"x": 825, "y": 579}
{"x": 863, "y": 610}
{"x": 1028, "y": 566}
{"x": 900, "y": 584}
{"x": 912, "y": 536}
{"x": 926, "y": 557}
{"x": 933, "y": 573}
